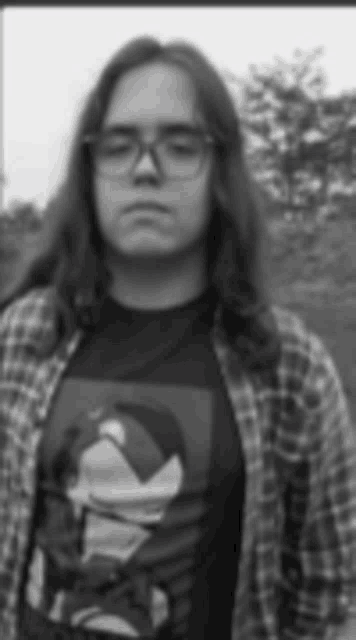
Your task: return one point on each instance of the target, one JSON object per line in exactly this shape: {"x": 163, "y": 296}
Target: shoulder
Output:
{"x": 28, "y": 319}
{"x": 291, "y": 328}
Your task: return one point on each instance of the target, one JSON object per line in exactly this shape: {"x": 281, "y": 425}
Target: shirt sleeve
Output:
{"x": 319, "y": 567}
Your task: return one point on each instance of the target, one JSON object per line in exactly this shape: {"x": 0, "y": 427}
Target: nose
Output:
{"x": 146, "y": 167}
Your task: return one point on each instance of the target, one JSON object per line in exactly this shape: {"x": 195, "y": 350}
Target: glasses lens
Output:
{"x": 181, "y": 154}
{"x": 115, "y": 154}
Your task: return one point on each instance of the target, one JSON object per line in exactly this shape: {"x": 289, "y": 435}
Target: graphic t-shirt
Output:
{"x": 141, "y": 483}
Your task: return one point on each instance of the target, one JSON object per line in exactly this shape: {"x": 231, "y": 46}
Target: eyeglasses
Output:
{"x": 177, "y": 155}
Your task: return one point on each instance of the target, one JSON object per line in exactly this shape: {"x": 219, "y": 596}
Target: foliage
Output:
{"x": 301, "y": 143}
{"x": 20, "y": 241}
{"x": 21, "y": 216}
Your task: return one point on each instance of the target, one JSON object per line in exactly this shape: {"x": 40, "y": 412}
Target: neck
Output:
{"x": 158, "y": 285}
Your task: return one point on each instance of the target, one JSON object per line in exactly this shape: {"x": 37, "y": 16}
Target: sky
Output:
{"x": 51, "y": 57}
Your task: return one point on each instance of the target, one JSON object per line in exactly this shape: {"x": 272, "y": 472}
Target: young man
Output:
{"x": 176, "y": 453}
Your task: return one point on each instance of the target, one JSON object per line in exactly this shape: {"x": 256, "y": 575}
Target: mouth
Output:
{"x": 146, "y": 206}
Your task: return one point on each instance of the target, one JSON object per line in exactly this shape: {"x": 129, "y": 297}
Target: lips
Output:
{"x": 147, "y": 205}
{"x": 147, "y": 214}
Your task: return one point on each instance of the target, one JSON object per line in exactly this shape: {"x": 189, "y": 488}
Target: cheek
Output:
{"x": 195, "y": 203}
{"x": 106, "y": 205}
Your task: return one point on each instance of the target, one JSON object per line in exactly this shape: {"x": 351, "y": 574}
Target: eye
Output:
{"x": 115, "y": 146}
{"x": 183, "y": 145}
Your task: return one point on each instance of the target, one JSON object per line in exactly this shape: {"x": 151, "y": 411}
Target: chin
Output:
{"x": 147, "y": 247}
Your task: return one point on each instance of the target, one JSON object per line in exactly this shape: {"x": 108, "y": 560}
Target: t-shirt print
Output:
{"x": 108, "y": 549}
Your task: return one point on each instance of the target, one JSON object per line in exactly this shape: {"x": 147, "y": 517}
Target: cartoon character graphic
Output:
{"x": 115, "y": 476}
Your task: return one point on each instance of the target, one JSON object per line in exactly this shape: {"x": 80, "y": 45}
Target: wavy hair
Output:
{"x": 236, "y": 248}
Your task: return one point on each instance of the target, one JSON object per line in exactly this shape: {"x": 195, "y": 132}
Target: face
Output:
{"x": 149, "y": 102}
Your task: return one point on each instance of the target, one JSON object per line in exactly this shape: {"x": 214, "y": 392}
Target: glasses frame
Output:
{"x": 151, "y": 148}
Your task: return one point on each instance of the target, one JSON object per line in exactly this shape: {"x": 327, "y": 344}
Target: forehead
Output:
{"x": 152, "y": 95}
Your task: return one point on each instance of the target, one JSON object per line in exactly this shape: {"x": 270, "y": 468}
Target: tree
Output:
{"x": 280, "y": 108}
{"x": 338, "y": 116}
{"x": 300, "y": 143}
{"x": 23, "y": 216}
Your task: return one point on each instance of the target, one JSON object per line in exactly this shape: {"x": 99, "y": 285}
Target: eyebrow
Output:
{"x": 171, "y": 127}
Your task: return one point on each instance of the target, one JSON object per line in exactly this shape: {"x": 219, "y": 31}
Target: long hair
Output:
{"x": 236, "y": 245}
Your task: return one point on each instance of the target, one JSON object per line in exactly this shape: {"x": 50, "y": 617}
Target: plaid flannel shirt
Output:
{"x": 297, "y": 565}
